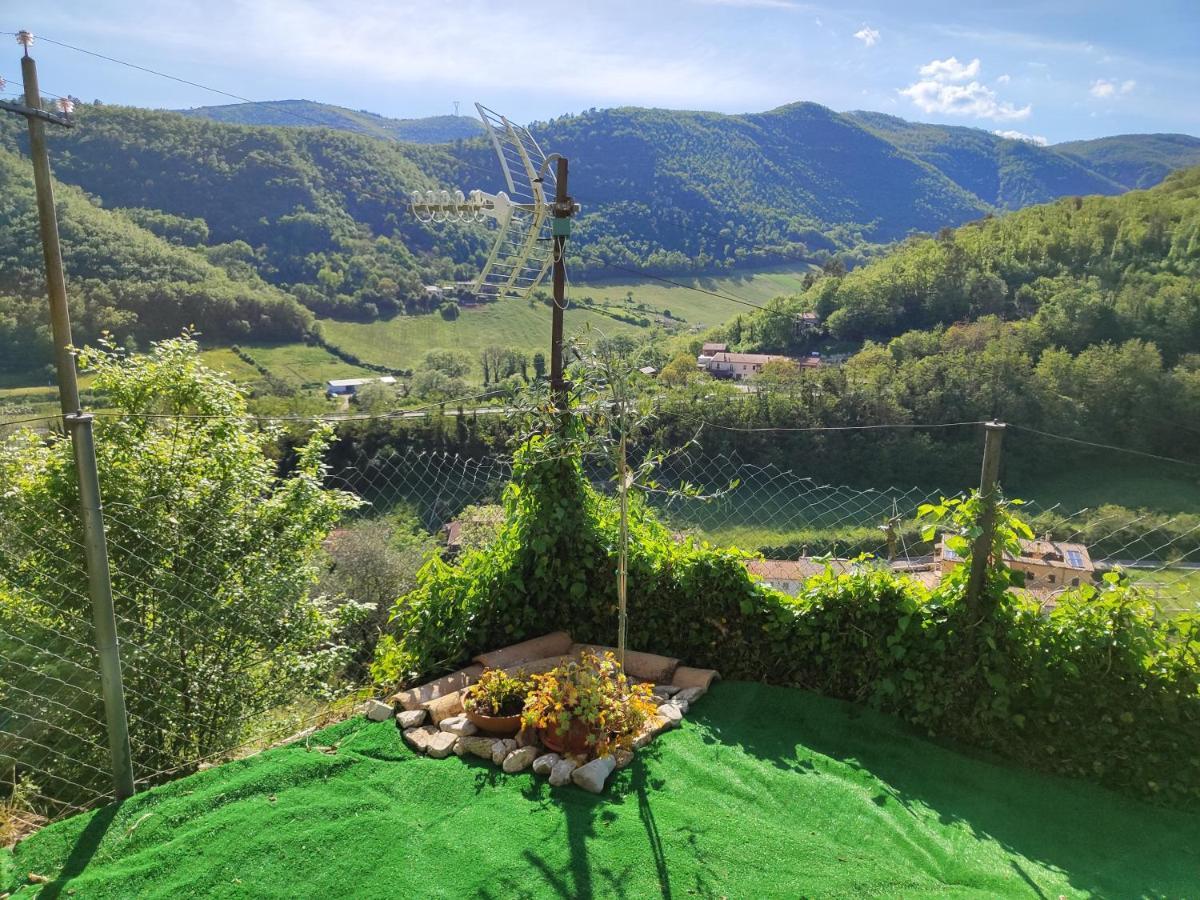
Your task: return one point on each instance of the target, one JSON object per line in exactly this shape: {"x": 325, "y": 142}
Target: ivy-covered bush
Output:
{"x": 1099, "y": 689}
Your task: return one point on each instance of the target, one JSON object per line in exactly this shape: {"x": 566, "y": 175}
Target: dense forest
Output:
{"x": 278, "y": 223}
{"x": 124, "y": 278}
{"x": 1080, "y": 317}
{"x": 310, "y": 113}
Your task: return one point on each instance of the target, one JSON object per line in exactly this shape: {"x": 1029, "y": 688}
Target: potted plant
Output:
{"x": 495, "y": 701}
{"x": 587, "y": 707}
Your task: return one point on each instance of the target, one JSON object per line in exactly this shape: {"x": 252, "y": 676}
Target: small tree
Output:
{"x": 212, "y": 556}
{"x": 615, "y": 416}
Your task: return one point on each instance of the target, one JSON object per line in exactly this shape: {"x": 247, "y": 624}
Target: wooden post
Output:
{"x": 989, "y": 493}
{"x": 83, "y": 443}
{"x": 563, "y": 209}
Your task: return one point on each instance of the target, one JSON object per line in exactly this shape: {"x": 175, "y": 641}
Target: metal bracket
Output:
{"x": 30, "y": 112}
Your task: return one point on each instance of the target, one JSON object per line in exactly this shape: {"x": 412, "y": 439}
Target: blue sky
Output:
{"x": 1052, "y": 70}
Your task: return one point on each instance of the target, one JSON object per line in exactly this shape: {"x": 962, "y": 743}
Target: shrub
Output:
{"x": 1099, "y": 689}
{"x": 497, "y": 693}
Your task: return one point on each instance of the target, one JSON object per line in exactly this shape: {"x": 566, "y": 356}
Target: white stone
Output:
{"x": 544, "y": 763}
{"x": 460, "y": 725}
{"x": 561, "y": 773}
{"x": 377, "y": 710}
{"x": 671, "y": 713}
{"x": 591, "y": 776}
{"x": 622, "y": 757}
{"x": 411, "y": 718}
{"x": 666, "y": 690}
{"x": 460, "y": 749}
{"x": 680, "y": 704}
{"x": 501, "y": 749}
{"x": 520, "y": 759}
{"x": 418, "y": 738}
{"x": 478, "y": 746}
{"x": 442, "y": 744}
{"x": 690, "y": 695}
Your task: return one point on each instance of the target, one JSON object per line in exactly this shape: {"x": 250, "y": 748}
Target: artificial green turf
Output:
{"x": 764, "y": 792}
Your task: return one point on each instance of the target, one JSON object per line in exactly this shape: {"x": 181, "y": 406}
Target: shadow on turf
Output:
{"x": 1073, "y": 826}
{"x": 85, "y": 848}
{"x": 585, "y": 817}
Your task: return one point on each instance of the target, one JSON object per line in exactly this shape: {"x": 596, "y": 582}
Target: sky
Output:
{"x": 1049, "y": 71}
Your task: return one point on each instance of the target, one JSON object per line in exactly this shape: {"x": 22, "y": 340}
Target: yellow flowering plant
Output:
{"x": 588, "y": 706}
{"x": 497, "y": 693}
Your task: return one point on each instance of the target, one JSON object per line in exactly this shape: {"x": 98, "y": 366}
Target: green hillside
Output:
{"x": 1004, "y": 173}
{"x": 122, "y": 278}
{"x": 1135, "y": 160}
{"x": 310, "y": 113}
{"x": 1086, "y": 270}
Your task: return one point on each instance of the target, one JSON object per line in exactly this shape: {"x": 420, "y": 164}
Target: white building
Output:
{"x": 348, "y": 387}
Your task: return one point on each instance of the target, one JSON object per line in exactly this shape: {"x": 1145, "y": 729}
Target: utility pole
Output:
{"x": 989, "y": 493}
{"x": 564, "y": 207}
{"x": 79, "y": 424}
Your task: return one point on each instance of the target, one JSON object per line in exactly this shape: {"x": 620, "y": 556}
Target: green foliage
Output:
{"x": 310, "y": 114}
{"x": 122, "y": 279}
{"x": 1099, "y": 689}
{"x": 212, "y": 559}
{"x": 590, "y": 701}
{"x": 498, "y": 693}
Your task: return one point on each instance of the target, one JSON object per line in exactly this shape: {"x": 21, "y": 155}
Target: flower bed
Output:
{"x": 582, "y": 717}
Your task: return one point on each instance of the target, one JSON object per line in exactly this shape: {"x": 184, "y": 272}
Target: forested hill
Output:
{"x": 1135, "y": 160}
{"x": 318, "y": 212}
{"x": 1011, "y": 174}
{"x": 302, "y": 113}
{"x": 1083, "y": 271}
{"x": 321, "y": 213}
{"x": 125, "y": 279}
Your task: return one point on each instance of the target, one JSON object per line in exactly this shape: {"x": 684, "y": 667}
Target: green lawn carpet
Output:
{"x": 764, "y": 792}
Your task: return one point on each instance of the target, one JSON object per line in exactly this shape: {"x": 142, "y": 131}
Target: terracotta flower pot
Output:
{"x": 501, "y": 726}
{"x": 575, "y": 741}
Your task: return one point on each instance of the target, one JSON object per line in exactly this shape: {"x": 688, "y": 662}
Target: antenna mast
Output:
{"x": 532, "y": 231}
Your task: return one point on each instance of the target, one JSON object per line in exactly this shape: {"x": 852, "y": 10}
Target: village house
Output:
{"x": 707, "y": 352}
{"x": 348, "y": 387}
{"x": 1049, "y": 566}
{"x": 740, "y": 366}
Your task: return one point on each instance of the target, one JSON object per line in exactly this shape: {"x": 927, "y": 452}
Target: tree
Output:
{"x": 212, "y": 556}
{"x": 539, "y": 365}
{"x": 456, "y": 365}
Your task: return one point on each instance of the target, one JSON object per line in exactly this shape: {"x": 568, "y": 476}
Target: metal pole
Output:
{"x": 989, "y": 493}
{"x": 563, "y": 208}
{"x": 83, "y": 443}
{"x": 103, "y": 615}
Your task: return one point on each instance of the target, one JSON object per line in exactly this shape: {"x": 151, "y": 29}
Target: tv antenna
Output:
{"x": 456, "y": 107}
{"x": 531, "y": 232}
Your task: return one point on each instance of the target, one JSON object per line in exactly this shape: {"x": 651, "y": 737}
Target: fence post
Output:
{"x": 83, "y": 444}
{"x": 989, "y": 493}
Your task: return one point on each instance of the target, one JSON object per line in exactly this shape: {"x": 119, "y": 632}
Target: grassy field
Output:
{"x": 402, "y": 342}
{"x": 765, "y": 792}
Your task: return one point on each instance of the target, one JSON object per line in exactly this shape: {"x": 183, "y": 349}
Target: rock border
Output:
{"x": 449, "y": 732}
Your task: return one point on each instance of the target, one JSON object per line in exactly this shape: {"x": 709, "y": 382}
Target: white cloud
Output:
{"x": 1022, "y": 136}
{"x": 1004, "y": 79}
{"x": 1104, "y": 89}
{"x": 942, "y": 90}
{"x": 868, "y": 35}
{"x": 950, "y": 69}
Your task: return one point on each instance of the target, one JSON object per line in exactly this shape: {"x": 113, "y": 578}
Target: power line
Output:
{"x": 1099, "y": 446}
{"x": 840, "y": 427}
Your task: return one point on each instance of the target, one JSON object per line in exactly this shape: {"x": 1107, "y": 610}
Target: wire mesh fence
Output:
{"x": 248, "y": 594}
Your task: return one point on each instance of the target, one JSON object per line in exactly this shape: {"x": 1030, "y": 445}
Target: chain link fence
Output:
{"x": 246, "y": 617}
